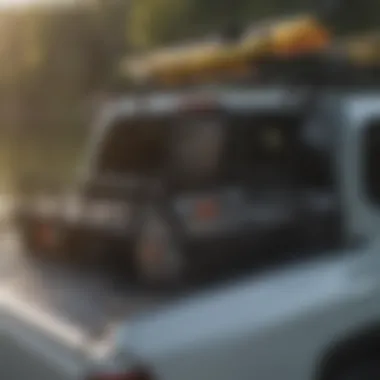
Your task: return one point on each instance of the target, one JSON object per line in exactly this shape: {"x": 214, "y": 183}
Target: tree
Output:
{"x": 153, "y": 22}
{"x": 157, "y": 21}
{"x": 56, "y": 58}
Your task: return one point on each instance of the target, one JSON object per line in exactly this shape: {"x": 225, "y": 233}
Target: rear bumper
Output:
{"x": 244, "y": 249}
{"x": 76, "y": 239}
{"x": 79, "y": 236}
{"x": 101, "y": 248}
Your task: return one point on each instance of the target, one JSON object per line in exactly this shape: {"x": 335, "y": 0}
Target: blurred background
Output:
{"x": 60, "y": 57}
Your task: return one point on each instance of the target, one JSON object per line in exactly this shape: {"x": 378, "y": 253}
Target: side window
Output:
{"x": 134, "y": 147}
{"x": 371, "y": 149}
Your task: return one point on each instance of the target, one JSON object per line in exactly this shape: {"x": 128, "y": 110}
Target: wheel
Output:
{"x": 366, "y": 370}
{"x": 159, "y": 261}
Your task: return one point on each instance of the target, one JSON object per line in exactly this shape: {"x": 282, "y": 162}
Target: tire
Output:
{"x": 366, "y": 370}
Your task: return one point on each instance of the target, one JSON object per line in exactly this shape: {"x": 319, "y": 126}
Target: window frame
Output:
{"x": 367, "y": 138}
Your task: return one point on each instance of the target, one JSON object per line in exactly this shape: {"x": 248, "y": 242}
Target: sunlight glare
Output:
{"x": 20, "y": 3}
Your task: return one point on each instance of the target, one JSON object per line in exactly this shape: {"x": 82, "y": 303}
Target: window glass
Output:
{"x": 256, "y": 151}
{"x": 261, "y": 151}
{"x": 134, "y": 147}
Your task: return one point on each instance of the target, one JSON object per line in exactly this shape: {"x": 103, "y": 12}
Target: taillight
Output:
{"x": 133, "y": 375}
{"x": 206, "y": 209}
{"x": 46, "y": 236}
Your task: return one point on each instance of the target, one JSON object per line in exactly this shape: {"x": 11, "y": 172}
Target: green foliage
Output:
{"x": 156, "y": 22}
{"x": 145, "y": 27}
{"x": 54, "y": 61}
{"x": 153, "y": 22}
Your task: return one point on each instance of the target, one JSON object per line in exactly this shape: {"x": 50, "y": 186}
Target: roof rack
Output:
{"x": 297, "y": 50}
{"x": 323, "y": 69}
{"x": 218, "y": 59}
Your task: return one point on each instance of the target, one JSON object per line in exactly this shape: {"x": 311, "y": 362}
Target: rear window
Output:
{"x": 271, "y": 151}
{"x": 260, "y": 150}
{"x": 256, "y": 151}
{"x": 249, "y": 150}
